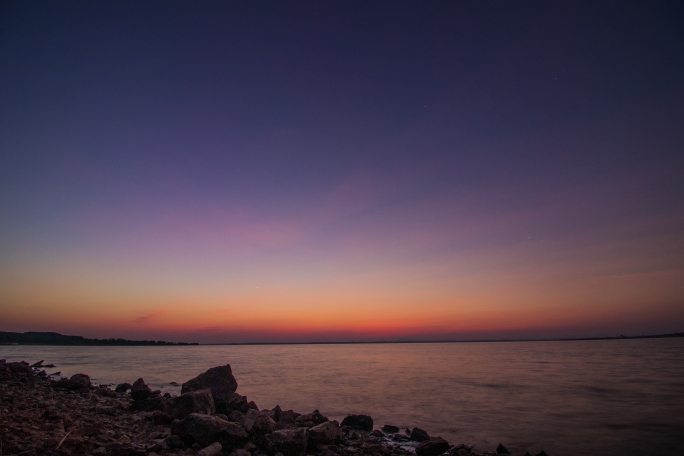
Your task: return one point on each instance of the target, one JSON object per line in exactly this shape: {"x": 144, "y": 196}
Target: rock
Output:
{"x": 214, "y": 449}
{"x": 80, "y": 382}
{"x": 502, "y": 450}
{"x": 326, "y": 432}
{"x": 174, "y": 442}
{"x": 200, "y": 401}
{"x": 37, "y": 365}
{"x": 461, "y": 450}
{"x": 542, "y": 453}
{"x": 122, "y": 387}
{"x": 19, "y": 367}
{"x": 389, "y": 429}
{"x": 237, "y": 402}
{"x": 140, "y": 391}
{"x": 207, "y": 429}
{"x": 433, "y": 447}
{"x": 235, "y": 415}
{"x": 105, "y": 392}
{"x": 287, "y": 418}
{"x": 276, "y": 412}
{"x": 310, "y": 419}
{"x": 150, "y": 404}
{"x": 419, "y": 435}
{"x": 289, "y": 442}
{"x": 219, "y": 380}
{"x": 361, "y": 422}
{"x": 252, "y": 405}
{"x": 256, "y": 422}
{"x": 240, "y": 452}
{"x": 399, "y": 437}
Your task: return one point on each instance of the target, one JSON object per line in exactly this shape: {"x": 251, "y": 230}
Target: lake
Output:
{"x": 568, "y": 397}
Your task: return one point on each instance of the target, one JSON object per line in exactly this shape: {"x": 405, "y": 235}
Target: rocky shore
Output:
{"x": 45, "y": 414}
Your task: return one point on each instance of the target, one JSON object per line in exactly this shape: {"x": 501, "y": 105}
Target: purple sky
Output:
{"x": 341, "y": 170}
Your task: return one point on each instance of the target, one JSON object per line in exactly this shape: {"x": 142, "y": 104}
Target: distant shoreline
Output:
{"x": 56, "y": 339}
{"x": 53, "y": 338}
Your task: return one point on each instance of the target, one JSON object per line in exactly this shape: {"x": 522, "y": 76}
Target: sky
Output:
{"x": 341, "y": 170}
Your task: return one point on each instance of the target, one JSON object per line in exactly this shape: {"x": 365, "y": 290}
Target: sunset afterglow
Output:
{"x": 497, "y": 190}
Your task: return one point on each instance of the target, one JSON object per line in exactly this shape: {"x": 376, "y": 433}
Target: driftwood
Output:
{"x": 62, "y": 441}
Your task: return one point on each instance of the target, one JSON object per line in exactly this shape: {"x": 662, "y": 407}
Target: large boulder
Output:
{"x": 219, "y": 380}
{"x": 433, "y": 447}
{"x": 324, "y": 433}
{"x": 207, "y": 429}
{"x": 200, "y": 401}
{"x": 360, "y": 422}
{"x": 140, "y": 391}
{"x": 289, "y": 442}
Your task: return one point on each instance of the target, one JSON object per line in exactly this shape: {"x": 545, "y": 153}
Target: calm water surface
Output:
{"x": 569, "y": 398}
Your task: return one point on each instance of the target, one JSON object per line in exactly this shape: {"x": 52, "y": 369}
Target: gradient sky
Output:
{"x": 257, "y": 171}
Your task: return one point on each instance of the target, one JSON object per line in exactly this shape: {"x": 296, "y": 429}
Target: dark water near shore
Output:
{"x": 569, "y": 398}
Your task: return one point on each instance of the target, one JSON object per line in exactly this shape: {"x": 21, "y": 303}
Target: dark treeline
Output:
{"x": 53, "y": 338}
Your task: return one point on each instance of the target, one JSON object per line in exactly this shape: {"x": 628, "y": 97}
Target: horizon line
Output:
{"x": 453, "y": 341}
{"x": 349, "y": 342}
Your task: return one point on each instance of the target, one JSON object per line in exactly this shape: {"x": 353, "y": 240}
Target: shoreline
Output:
{"x": 45, "y": 414}
{"x": 132, "y": 343}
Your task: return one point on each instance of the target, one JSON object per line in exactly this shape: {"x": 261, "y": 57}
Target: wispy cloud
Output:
{"x": 145, "y": 318}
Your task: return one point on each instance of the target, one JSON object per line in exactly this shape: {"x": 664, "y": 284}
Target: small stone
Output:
{"x": 289, "y": 442}
{"x": 287, "y": 418}
{"x": 310, "y": 419}
{"x": 207, "y": 429}
{"x": 160, "y": 418}
{"x": 80, "y": 382}
{"x": 214, "y": 449}
{"x": 419, "y": 435}
{"x": 502, "y": 450}
{"x": 256, "y": 422}
{"x": 326, "y": 432}
{"x": 361, "y": 422}
{"x": 140, "y": 391}
{"x": 105, "y": 392}
{"x": 174, "y": 442}
{"x": 240, "y": 452}
{"x": 200, "y": 401}
{"x": 122, "y": 387}
{"x": 433, "y": 447}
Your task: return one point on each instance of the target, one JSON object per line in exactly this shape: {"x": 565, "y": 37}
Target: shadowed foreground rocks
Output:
{"x": 44, "y": 415}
